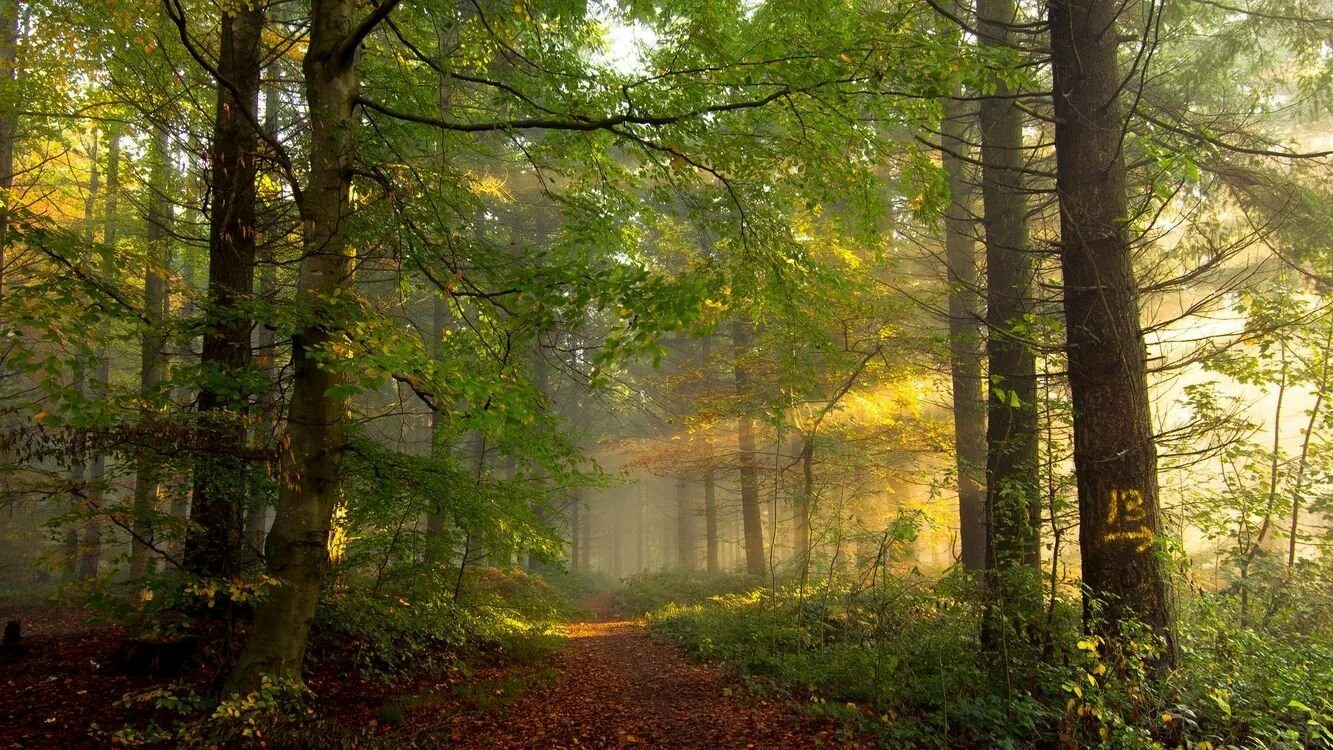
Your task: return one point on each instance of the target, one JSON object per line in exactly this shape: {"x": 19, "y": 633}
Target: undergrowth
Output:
{"x": 904, "y": 663}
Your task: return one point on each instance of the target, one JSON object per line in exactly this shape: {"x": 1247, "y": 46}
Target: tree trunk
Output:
{"x": 9, "y": 39}
{"x": 221, "y": 477}
{"x": 585, "y": 552}
{"x": 804, "y": 499}
{"x": 1114, "y": 458}
{"x": 710, "y": 521}
{"x": 91, "y": 560}
{"x": 1012, "y": 471}
{"x": 436, "y": 540}
{"x": 76, "y": 562}
{"x": 969, "y": 413}
{"x": 575, "y": 531}
{"x": 297, "y": 547}
{"x": 152, "y": 348}
{"x": 685, "y": 537}
{"x": 749, "y": 471}
{"x": 264, "y": 423}
{"x": 710, "y": 490}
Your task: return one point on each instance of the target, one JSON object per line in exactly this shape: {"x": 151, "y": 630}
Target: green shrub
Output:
{"x": 648, "y": 592}
{"x": 905, "y": 663}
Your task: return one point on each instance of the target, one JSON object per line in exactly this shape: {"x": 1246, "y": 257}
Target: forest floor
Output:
{"x": 616, "y": 687}
{"x": 609, "y": 686}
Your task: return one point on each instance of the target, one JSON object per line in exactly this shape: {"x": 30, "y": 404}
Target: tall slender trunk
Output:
{"x": 152, "y": 348}
{"x": 9, "y": 63}
{"x": 1274, "y": 466}
{"x": 749, "y": 470}
{"x": 436, "y": 540}
{"x": 585, "y": 553}
{"x": 805, "y": 498}
{"x": 91, "y": 561}
{"x": 73, "y": 548}
{"x": 576, "y": 531}
{"x": 221, "y": 476}
{"x": 1012, "y": 469}
{"x": 1115, "y": 461}
{"x": 710, "y": 521}
{"x": 179, "y": 484}
{"x": 309, "y": 487}
{"x": 1298, "y": 486}
{"x": 969, "y": 412}
{"x": 264, "y": 421}
{"x": 710, "y": 490}
{"x": 685, "y": 537}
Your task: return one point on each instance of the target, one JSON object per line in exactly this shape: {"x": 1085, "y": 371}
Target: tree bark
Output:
{"x": 152, "y": 348}
{"x": 755, "y": 563}
{"x": 297, "y": 547}
{"x": 1012, "y": 471}
{"x": 969, "y": 412}
{"x": 1115, "y": 461}
{"x": 221, "y": 477}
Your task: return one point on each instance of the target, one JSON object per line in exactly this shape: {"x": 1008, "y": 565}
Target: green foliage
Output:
{"x": 188, "y": 720}
{"x": 414, "y": 625}
{"x": 648, "y": 592}
{"x": 904, "y": 663}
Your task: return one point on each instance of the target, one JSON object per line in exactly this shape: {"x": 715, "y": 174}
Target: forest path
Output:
{"x": 615, "y": 687}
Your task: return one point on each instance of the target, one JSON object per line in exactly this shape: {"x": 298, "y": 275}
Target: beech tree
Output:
{"x": 220, "y": 481}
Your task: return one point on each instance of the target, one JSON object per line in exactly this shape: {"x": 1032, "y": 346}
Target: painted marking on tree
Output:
{"x": 1125, "y": 519}
{"x": 1126, "y": 508}
{"x": 1142, "y": 535}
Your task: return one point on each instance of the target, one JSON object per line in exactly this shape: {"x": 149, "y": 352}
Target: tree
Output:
{"x": 965, "y": 314}
{"x": 152, "y": 345}
{"x": 755, "y": 562}
{"x": 1012, "y": 500}
{"x": 9, "y": 63}
{"x": 1115, "y": 460}
{"x": 220, "y": 478}
{"x": 309, "y": 486}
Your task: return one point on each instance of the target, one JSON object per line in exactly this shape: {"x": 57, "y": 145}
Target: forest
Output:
{"x": 666, "y": 374}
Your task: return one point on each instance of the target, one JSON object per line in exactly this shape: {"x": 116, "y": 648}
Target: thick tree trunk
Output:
{"x": 969, "y": 412}
{"x": 297, "y": 547}
{"x": 1012, "y": 477}
{"x": 1114, "y": 458}
{"x": 221, "y": 476}
{"x": 152, "y": 348}
{"x": 749, "y": 470}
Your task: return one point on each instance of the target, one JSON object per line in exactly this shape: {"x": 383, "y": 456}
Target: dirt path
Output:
{"x": 616, "y": 687}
